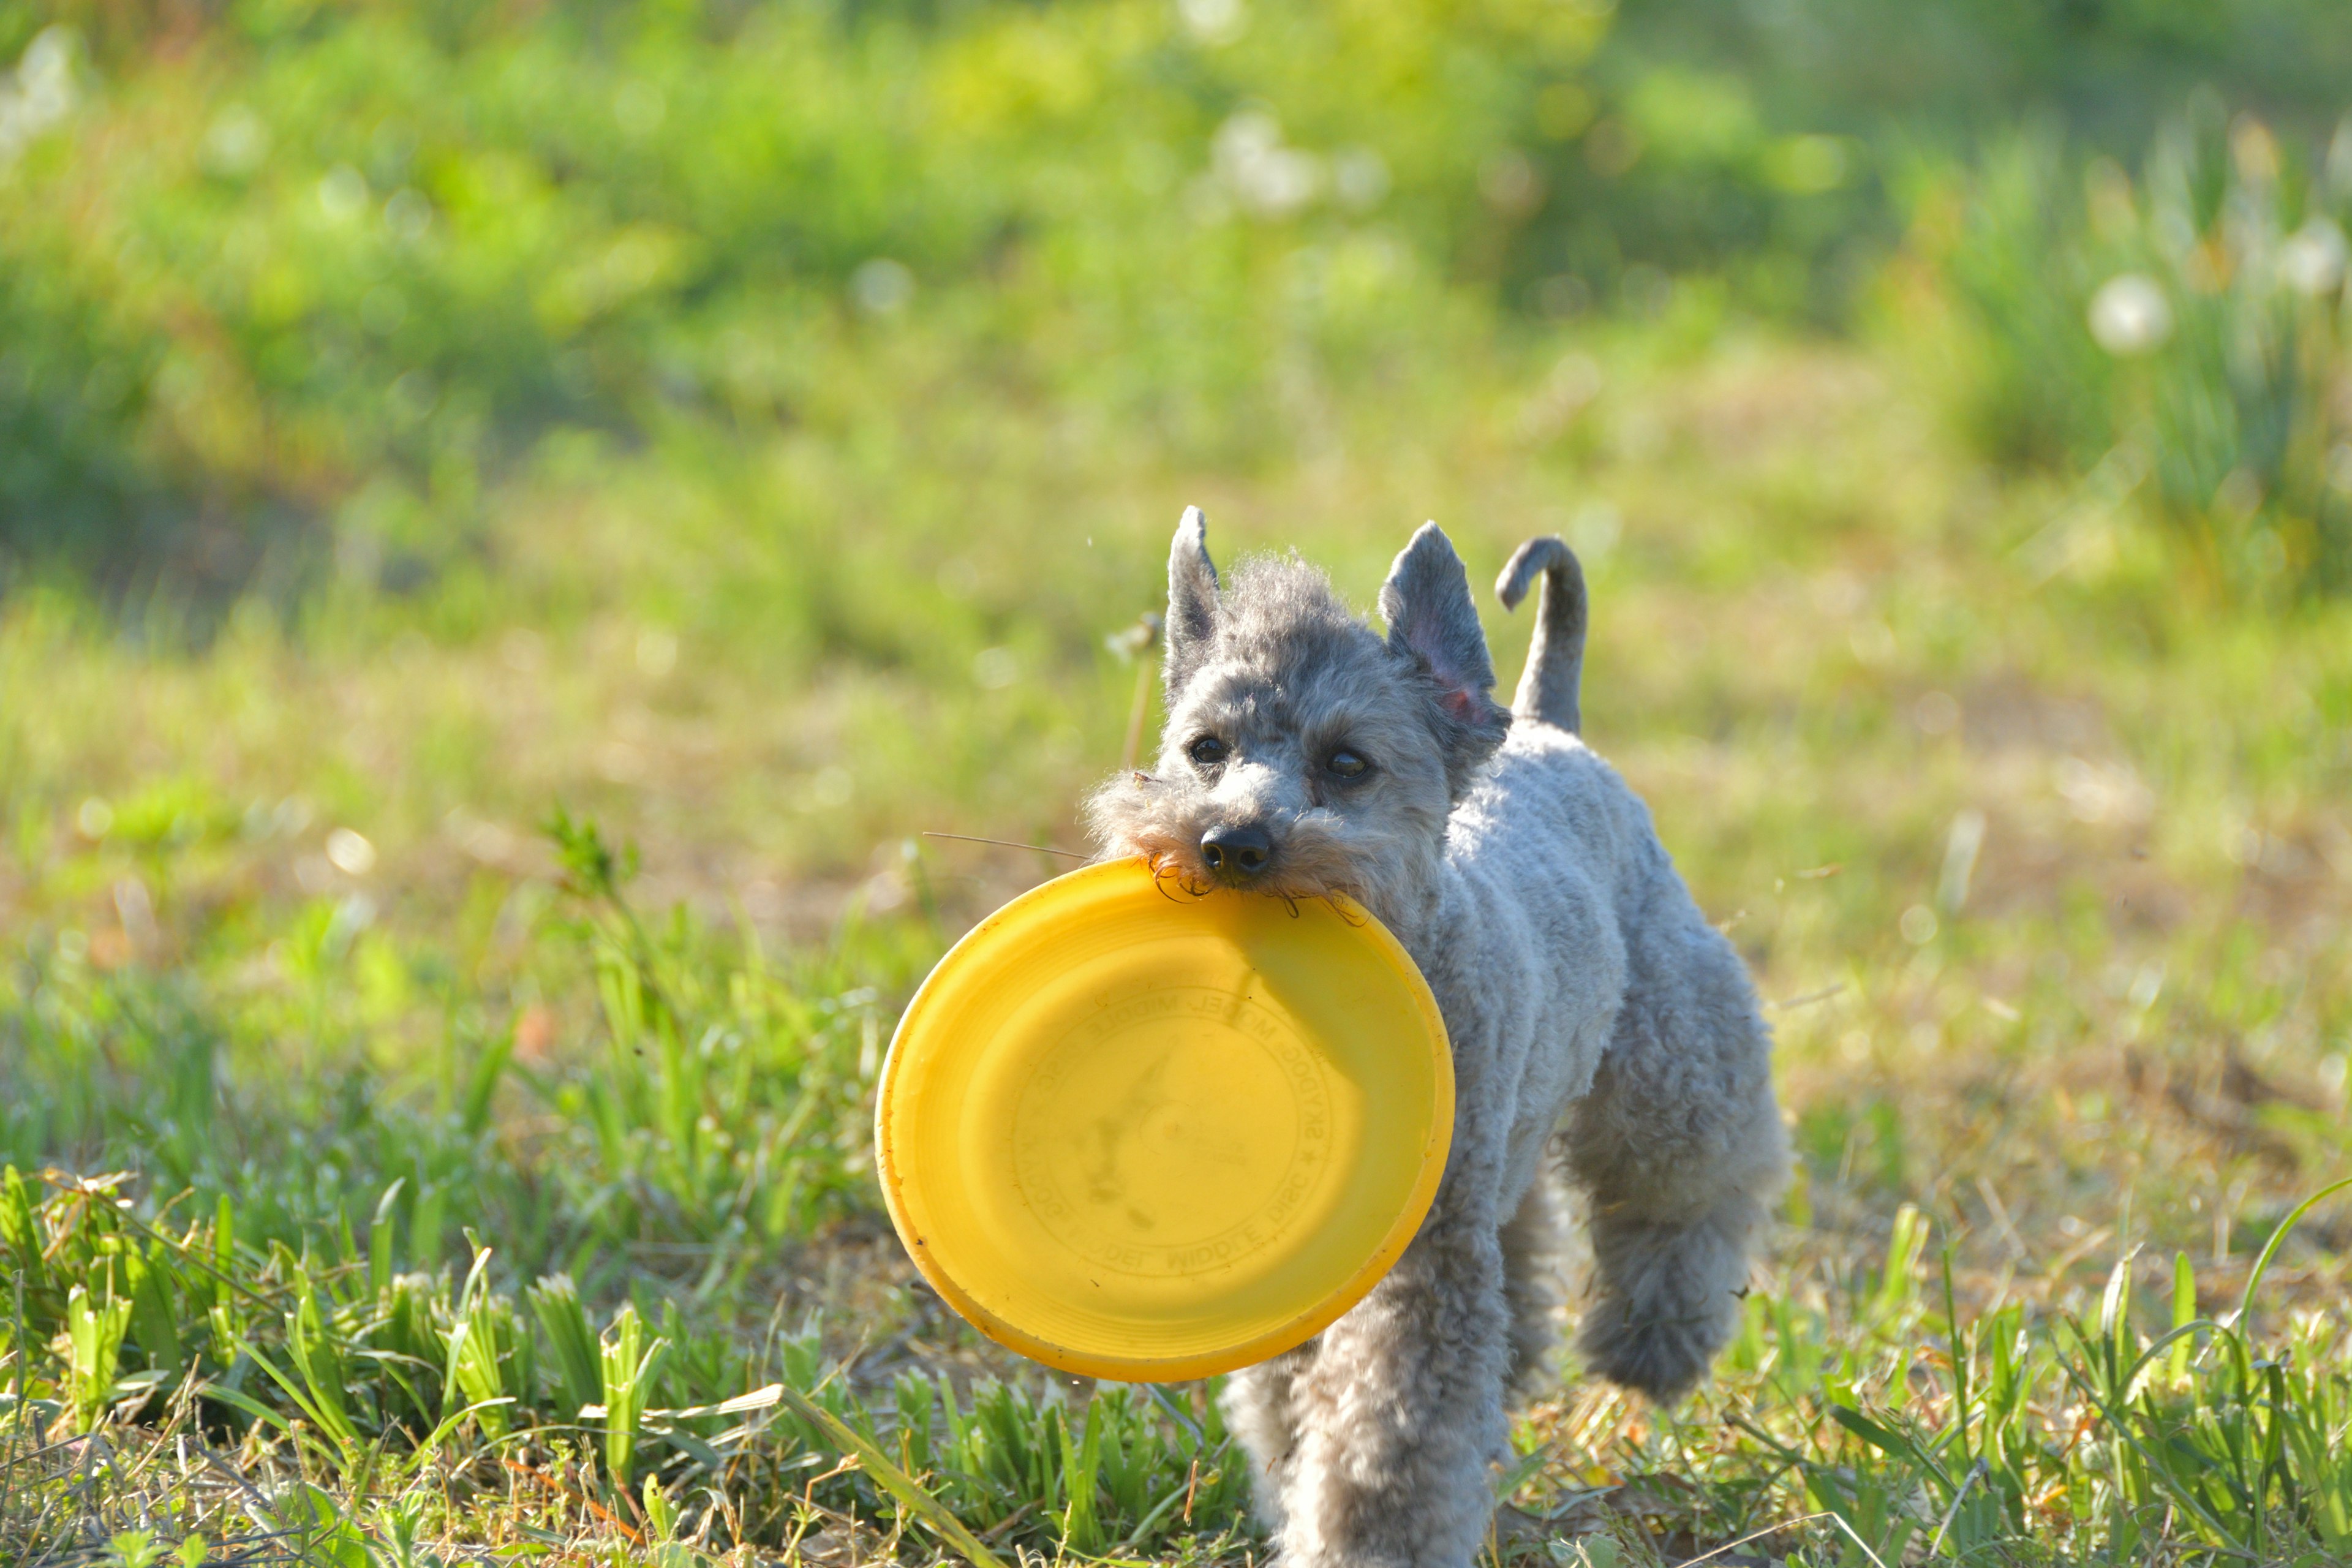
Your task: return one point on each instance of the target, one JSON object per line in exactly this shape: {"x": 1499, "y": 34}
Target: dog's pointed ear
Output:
{"x": 1192, "y": 603}
{"x": 1434, "y": 621}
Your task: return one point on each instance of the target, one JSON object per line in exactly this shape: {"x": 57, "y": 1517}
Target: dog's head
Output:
{"x": 1305, "y": 753}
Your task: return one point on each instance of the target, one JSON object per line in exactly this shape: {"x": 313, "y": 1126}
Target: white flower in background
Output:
{"x": 1214, "y": 21}
{"x": 2111, "y": 792}
{"x": 1266, "y": 177}
{"x": 235, "y": 143}
{"x": 2311, "y": 260}
{"x": 39, "y": 92}
{"x": 2130, "y": 315}
{"x": 882, "y": 286}
{"x": 352, "y": 854}
{"x": 343, "y": 193}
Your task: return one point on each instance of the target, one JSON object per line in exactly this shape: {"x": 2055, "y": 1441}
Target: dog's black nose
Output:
{"x": 1238, "y": 853}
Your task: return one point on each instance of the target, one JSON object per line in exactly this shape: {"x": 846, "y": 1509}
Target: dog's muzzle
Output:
{"x": 1237, "y": 854}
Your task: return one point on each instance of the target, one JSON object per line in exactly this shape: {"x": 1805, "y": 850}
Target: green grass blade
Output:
{"x": 237, "y": 1400}
{"x": 2278, "y": 1238}
{"x": 326, "y": 1417}
{"x": 2219, "y": 1534}
{"x": 894, "y": 1480}
{"x": 556, "y": 1301}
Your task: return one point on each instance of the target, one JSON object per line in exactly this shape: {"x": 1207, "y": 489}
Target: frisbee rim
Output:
{"x": 1267, "y": 1343}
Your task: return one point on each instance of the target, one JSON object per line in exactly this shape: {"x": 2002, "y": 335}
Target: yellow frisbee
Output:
{"x": 1149, "y": 1137}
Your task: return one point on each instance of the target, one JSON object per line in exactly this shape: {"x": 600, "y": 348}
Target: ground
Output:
{"x": 2040, "y": 852}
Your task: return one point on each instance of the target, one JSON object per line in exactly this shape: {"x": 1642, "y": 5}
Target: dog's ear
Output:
{"x": 1193, "y": 604}
{"x": 1434, "y": 621}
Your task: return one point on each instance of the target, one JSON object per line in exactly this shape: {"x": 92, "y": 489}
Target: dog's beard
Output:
{"x": 1318, "y": 855}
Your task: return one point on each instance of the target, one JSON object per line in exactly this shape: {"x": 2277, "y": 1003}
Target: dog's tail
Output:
{"x": 1548, "y": 691}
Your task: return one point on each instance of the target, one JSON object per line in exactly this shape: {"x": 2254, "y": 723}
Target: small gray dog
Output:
{"x": 1307, "y": 754}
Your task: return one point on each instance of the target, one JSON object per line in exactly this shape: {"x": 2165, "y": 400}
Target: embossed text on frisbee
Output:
{"x": 1121, "y": 1147}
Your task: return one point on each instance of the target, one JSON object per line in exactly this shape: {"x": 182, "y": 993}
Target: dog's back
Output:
{"x": 1554, "y": 863}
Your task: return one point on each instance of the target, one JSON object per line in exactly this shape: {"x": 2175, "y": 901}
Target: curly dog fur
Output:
{"x": 1586, "y": 997}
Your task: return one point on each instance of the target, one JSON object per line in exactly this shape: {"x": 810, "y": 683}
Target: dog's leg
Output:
{"x": 1531, "y": 1266}
{"x": 1261, "y": 1409}
{"x": 1679, "y": 1146}
{"x": 1402, "y": 1411}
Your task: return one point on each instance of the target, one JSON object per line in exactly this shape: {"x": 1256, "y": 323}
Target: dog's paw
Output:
{"x": 1658, "y": 1355}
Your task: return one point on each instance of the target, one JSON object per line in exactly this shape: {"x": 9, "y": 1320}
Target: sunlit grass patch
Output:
{"x": 168, "y": 1378}
{"x": 2112, "y": 1015}
{"x": 148, "y": 1359}
{"x": 1997, "y": 1433}
{"x": 361, "y": 1336}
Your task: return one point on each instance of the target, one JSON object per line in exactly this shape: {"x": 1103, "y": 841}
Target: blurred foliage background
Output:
{"x": 290, "y": 292}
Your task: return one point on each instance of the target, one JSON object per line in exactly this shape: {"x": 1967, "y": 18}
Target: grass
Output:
{"x": 454, "y": 911}
{"x": 2213, "y": 366}
{"x": 438, "y": 1141}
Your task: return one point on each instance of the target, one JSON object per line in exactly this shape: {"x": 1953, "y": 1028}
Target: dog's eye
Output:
{"x": 1347, "y": 765}
{"x": 1207, "y": 751}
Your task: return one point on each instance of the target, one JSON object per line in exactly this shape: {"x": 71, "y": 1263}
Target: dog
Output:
{"x": 1599, "y": 1026}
